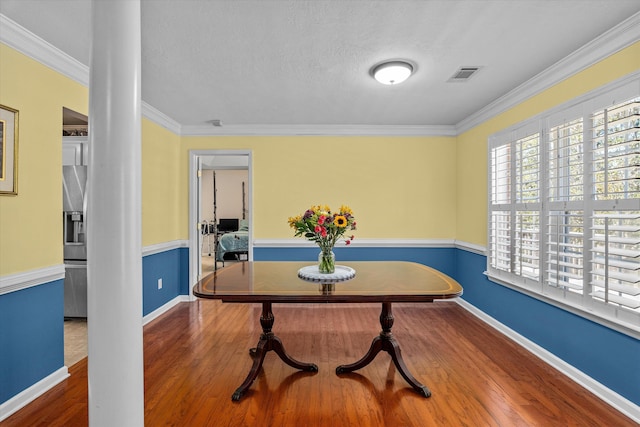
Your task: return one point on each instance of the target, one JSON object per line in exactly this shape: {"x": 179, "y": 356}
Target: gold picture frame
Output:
{"x": 8, "y": 151}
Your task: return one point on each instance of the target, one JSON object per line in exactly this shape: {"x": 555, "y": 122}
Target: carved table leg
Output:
{"x": 385, "y": 341}
{"x": 268, "y": 342}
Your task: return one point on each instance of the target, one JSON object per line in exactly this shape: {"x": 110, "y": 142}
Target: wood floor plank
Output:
{"x": 196, "y": 355}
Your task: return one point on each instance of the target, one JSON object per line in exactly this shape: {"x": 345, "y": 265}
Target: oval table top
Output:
{"x": 374, "y": 281}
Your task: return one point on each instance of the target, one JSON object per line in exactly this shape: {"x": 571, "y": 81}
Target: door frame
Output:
{"x": 194, "y": 208}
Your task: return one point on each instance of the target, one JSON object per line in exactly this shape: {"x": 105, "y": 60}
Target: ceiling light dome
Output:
{"x": 392, "y": 72}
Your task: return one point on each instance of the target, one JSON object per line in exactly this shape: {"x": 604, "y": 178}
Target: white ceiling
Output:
{"x": 306, "y": 63}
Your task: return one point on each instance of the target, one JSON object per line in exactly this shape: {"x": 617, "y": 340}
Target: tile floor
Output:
{"x": 75, "y": 340}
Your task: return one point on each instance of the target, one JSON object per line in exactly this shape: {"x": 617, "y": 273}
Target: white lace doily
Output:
{"x": 311, "y": 273}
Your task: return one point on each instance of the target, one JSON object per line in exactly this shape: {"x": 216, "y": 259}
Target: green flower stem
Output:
{"x": 327, "y": 262}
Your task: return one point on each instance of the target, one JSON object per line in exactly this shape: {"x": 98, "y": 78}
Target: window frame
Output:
{"x": 570, "y": 212}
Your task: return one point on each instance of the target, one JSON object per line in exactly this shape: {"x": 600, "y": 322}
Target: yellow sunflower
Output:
{"x": 340, "y": 221}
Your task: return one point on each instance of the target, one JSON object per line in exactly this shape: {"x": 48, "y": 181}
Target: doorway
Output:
{"x": 223, "y": 214}
{"x": 75, "y": 142}
{"x": 219, "y": 189}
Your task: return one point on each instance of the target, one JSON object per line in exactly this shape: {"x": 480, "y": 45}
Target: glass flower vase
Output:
{"x": 327, "y": 262}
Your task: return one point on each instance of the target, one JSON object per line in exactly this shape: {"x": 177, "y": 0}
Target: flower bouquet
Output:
{"x": 318, "y": 224}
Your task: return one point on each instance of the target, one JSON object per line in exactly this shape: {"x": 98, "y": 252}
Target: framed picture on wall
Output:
{"x": 8, "y": 151}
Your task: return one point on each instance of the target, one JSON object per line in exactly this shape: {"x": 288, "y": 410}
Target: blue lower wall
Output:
{"x": 31, "y": 336}
{"x": 31, "y": 320}
{"x": 172, "y": 267}
{"x": 605, "y": 355}
{"x": 442, "y": 259}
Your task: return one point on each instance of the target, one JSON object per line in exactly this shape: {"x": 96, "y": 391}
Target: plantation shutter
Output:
{"x": 500, "y": 230}
{"x": 514, "y": 226}
{"x": 527, "y": 213}
{"x": 615, "y": 220}
{"x": 564, "y": 206}
{"x": 565, "y": 243}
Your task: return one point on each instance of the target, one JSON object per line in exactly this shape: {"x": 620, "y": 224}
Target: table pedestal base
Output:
{"x": 268, "y": 342}
{"x": 385, "y": 341}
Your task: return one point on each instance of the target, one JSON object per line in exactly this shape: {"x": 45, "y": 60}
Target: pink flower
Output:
{"x": 317, "y": 229}
{"x": 348, "y": 242}
{"x": 323, "y": 233}
{"x": 321, "y": 219}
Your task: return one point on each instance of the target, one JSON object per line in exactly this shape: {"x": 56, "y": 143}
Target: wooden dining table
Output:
{"x": 384, "y": 282}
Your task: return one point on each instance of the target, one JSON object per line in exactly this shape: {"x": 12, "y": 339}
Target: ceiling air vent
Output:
{"x": 463, "y": 74}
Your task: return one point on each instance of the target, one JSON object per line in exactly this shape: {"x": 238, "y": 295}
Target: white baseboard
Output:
{"x": 163, "y": 309}
{"x": 28, "y": 395}
{"x": 609, "y": 396}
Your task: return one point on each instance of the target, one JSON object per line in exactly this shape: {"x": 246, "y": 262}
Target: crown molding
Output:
{"x": 610, "y": 42}
{"x": 160, "y": 118}
{"x": 38, "y": 49}
{"x": 318, "y": 130}
{"x": 614, "y": 40}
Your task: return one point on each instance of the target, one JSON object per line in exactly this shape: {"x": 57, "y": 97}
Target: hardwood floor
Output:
{"x": 75, "y": 329}
{"x": 196, "y": 355}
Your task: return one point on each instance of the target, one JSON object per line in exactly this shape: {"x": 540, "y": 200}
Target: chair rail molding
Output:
{"x": 23, "y": 280}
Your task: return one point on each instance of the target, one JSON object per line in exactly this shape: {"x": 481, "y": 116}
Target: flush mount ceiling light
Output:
{"x": 392, "y": 72}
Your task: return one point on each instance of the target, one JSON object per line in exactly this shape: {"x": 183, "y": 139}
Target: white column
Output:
{"x": 114, "y": 247}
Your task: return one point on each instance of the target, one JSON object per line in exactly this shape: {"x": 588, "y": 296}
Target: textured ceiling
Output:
{"x": 307, "y": 62}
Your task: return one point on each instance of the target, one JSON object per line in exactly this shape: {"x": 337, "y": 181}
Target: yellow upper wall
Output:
{"x": 31, "y": 222}
{"x": 398, "y": 187}
{"x": 472, "y": 145}
{"x": 160, "y": 185}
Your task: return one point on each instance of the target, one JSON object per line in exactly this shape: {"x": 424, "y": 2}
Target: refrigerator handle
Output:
{"x": 84, "y": 203}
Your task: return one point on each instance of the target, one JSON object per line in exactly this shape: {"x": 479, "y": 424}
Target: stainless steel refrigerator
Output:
{"x": 74, "y": 184}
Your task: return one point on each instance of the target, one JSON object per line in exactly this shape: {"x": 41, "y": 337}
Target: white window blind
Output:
{"x": 515, "y": 197}
{"x": 564, "y": 207}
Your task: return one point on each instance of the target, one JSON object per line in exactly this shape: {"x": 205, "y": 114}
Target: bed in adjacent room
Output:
{"x": 234, "y": 243}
